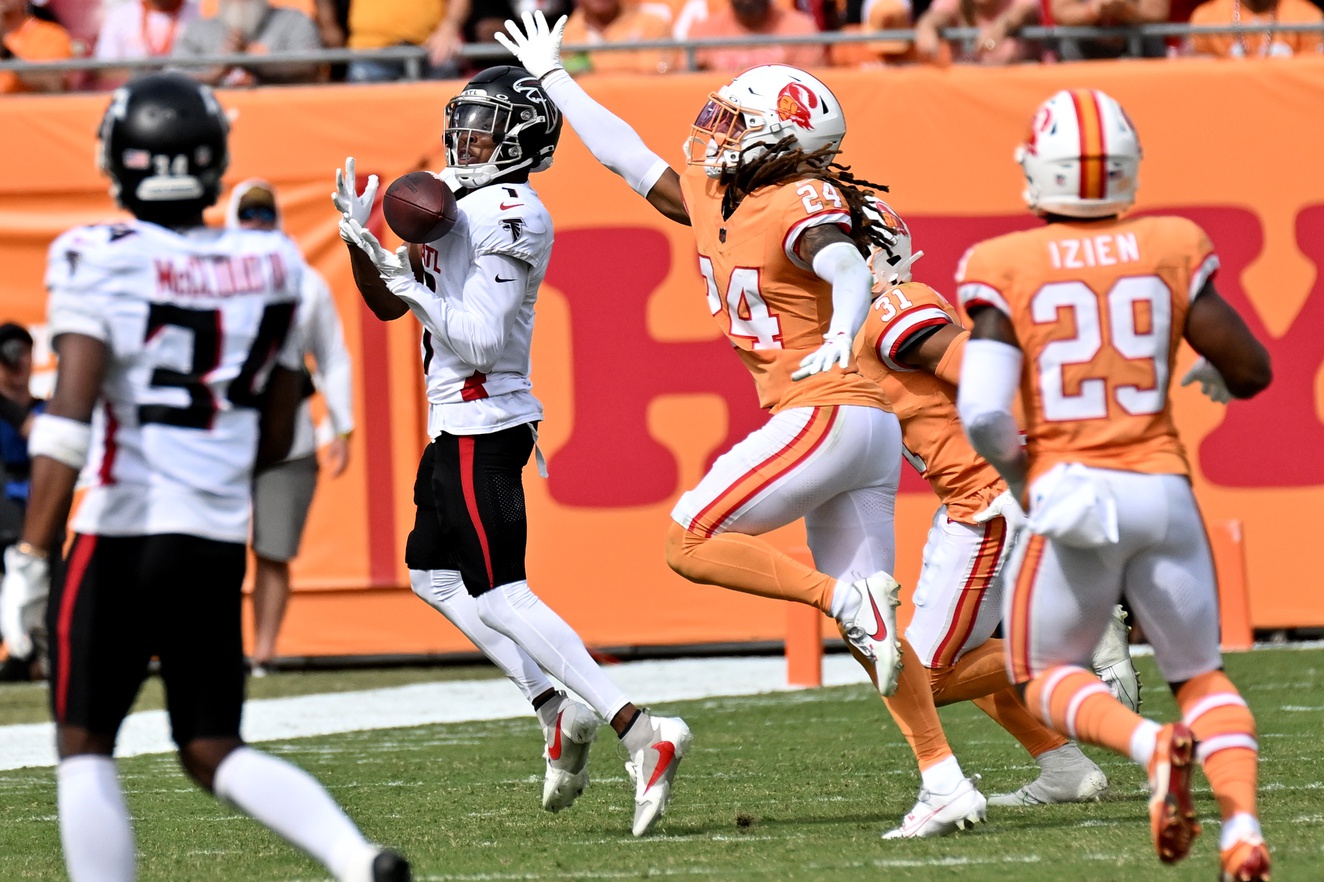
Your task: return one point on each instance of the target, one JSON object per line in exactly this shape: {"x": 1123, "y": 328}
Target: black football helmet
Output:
{"x": 509, "y": 104}
{"x": 164, "y": 146}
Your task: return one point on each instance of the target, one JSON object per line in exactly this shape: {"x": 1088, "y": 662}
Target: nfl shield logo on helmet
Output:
{"x": 794, "y": 102}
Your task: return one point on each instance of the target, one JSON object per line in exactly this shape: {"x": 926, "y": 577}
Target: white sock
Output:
{"x": 1242, "y": 825}
{"x": 943, "y": 776}
{"x": 290, "y": 802}
{"x": 1143, "y": 741}
{"x": 843, "y": 599}
{"x": 518, "y": 613}
{"x": 444, "y": 591}
{"x": 94, "y": 821}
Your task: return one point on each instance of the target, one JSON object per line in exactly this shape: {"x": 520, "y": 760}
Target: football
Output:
{"x": 419, "y": 207}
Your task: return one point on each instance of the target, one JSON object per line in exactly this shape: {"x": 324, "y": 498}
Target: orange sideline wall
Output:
{"x": 640, "y": 392}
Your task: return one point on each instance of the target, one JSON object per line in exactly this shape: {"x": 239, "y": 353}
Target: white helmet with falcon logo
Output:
{"x": 760, "y": 108}
{"x": 1082, "y": 156}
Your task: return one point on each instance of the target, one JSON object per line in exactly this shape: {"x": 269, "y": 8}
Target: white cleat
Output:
{"x": 869, "y": 625}
{"x": 653, "y": 768}
{"x": 568, "y": 743}
{"x": 937, "y": 814}
{"x": 1112, "y": 661}
{"x": 1066, "y": 775}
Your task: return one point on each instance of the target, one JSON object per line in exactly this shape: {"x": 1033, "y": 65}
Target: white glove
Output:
{"x": 537, "y": 47}
{"x": 447, "y": 177}
{"x": 394, "y": 267}
{"x": 352, "y": 232}
{"x": 23, "y": 593}
{"x": 1210, "y": 380}
{"x": 346, "y": 198}
{"x": 1005, "y": 506}
{"x": 835, "y": 352}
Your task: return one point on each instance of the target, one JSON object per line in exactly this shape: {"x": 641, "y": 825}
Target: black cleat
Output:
{"x": 390, "y": 866}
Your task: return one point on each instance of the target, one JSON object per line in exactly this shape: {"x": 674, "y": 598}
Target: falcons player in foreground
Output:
{"x": 911, "y": 345}
{"x": 782, "y": 238}
{"x": 177, "y": 372}
{"x": 1084, "y": 317}
{"x": 476, "y": 302}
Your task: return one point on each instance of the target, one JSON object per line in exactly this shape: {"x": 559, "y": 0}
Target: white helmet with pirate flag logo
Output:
{"x": 763, "y": 106}
{"x": 1082, "y": 156}
{"x": 890, "y": 261}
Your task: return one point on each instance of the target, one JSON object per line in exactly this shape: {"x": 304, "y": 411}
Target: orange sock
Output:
{"x": 744, "y": 563}
{"x": 1225, "y": 740}
{"x": 981, "y": 671}
{"x": 912, "y": 708}
{"x": 1007, "y": 711}
{"x": 1076, "y": 703}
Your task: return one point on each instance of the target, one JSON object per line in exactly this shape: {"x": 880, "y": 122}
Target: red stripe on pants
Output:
{"x": 73, "y": 581}
{"x": 471, "y": 500}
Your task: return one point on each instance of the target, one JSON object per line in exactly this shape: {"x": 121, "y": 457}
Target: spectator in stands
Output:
{"x": 433, "y": 24}
{"x": 875, "y": 15}
{"x": 488, "y": 17}
{"x": 1108, "y": 13}
{"x": 762, "y": 18}
{"x": 17, "y": 408}
{"x": 997, "y": 20}
{"x": 283, "y": 493}
{"x": 1281, "y": 44}
{"x": 250, "y": 27}
{"x": 27, "y": 38}
{"x": 142, "y": 29}
{"x": 619, "y": 21}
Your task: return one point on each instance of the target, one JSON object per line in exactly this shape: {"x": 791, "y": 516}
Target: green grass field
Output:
{"x": 791, "y": 786}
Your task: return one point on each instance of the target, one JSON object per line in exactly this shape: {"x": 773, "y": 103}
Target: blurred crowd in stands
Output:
{"x": 179, "y": 30}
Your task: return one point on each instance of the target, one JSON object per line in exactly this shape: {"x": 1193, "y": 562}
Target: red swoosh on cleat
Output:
{"x": 554, "y": 751}
{"x": 666, "y": 752}
{"x": 881, "y": 633}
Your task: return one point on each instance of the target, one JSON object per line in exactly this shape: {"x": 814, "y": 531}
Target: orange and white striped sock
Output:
{"x": 744, "y": 563}
{"x": 1226, "y": 742}
{"x": 1076, "y": 703}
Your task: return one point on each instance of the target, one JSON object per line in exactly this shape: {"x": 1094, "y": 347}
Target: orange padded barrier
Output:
{"x": 640, "y": 392}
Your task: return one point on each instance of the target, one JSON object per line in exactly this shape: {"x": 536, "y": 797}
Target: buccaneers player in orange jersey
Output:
{"x": 782, "y": 240}
{"x": 1084, "y": 316}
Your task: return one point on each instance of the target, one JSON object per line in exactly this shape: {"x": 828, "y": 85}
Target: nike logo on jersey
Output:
{"x": 554, "y": 749}
{"x": 881, "y": 632}
{"x": 666, "y": 752}
{"x": 506, "y": 206}
{"x": 499, "y": 279}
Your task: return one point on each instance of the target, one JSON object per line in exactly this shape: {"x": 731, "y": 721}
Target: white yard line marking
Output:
{"x": 419, "y": 704}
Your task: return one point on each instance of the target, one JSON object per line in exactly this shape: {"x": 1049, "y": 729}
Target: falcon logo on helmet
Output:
{"x": 1082, "y": 156}
{"x": 794, "y": 103}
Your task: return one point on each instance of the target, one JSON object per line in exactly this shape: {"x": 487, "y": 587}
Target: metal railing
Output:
{"x": 413, "y": 58}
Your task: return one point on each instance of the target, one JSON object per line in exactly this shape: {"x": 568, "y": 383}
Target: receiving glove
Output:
{"x": 835, "y": 352}
{"x": 23, "y": 593}
{"x": 1005, "y": 506}
{"x": 346, "y": 199}
{"x": 1210, "y": 380}
{"x": 393, "y": 267}
{"x": 537, "y": 47}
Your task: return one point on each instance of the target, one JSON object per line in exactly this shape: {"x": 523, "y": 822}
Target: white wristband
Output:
{"x": 60, "y": 438}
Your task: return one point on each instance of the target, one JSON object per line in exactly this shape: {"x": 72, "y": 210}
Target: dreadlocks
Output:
{"x": 783, "y": 163}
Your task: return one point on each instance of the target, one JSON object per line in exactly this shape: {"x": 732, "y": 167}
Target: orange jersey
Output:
{"x": 764, "y": 295}
{"x": 935, "y": 443}
{"x": 1099, "y": 309}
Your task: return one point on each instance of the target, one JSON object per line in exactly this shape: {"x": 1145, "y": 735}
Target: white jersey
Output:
{"x": 194, "y": 322}
{"x": 503, "y": 219}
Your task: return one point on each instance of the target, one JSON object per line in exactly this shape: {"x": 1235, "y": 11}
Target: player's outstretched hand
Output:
{"x": 835, "y": 352}
{"x": 1004, "y": 505}
{"x": 23, "y": 593}
{"x": 537, "y": 46}
{"x": 1210, "y": 380}
{"x": 347, "y": 200}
